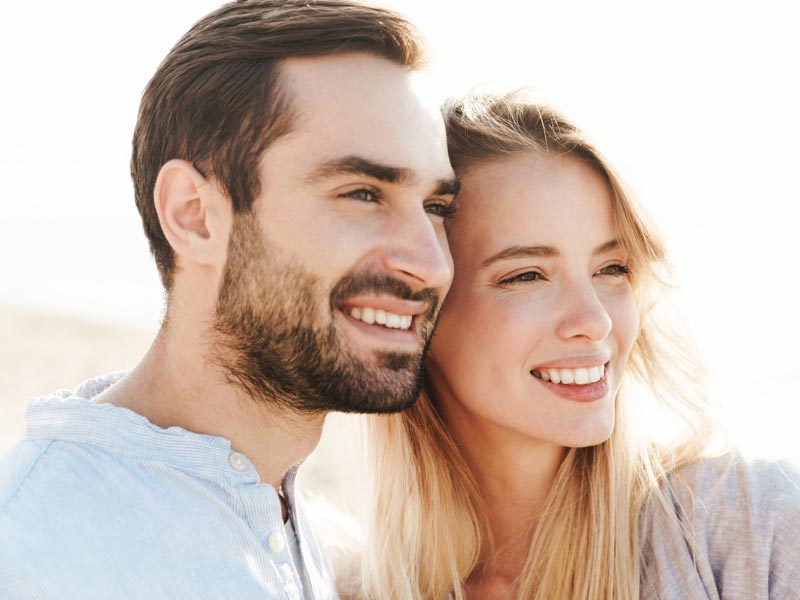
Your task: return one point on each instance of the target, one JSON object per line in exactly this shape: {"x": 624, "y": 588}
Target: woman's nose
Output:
{"x": 583, "y": 313}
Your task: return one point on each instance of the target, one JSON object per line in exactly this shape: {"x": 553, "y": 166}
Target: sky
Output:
{"x": 694, "y": 102}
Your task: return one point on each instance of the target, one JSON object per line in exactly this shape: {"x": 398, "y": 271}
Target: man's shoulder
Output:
{"x": 16, "y": 465}
{"x": 42, "y": 481}
{"x": 58, "y": 498}
{"x": 41, "y": 468}
{"x": 33, "y": 498}
{"x": 80, "y": 522}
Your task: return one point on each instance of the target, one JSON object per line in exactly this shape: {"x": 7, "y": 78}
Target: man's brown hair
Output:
{"x": 216, "y": 101}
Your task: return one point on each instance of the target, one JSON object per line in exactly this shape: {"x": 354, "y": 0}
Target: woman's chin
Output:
{"x": 586, "y": 435}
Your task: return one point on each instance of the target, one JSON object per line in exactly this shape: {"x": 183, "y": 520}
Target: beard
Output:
{"x": 273, "y": 338}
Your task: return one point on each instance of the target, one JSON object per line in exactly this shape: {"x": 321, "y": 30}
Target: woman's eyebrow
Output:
{"x": 518, "y": 251}
{"x": 607, "y": 247}
{"x": 522, "y": 252}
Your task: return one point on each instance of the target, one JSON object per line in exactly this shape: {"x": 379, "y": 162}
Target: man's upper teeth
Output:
{"x": 576, "y": 376}
{"x": 382, "y": 317}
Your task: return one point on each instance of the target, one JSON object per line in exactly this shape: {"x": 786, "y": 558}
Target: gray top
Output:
{"x": 746, "y": 521}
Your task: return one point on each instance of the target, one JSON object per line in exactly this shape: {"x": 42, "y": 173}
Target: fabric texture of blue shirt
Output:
{"x": 97, "y": 502}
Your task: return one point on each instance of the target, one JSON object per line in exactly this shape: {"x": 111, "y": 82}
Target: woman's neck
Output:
{"x": 515, "y": 484}
{"x": 515, "y": 474}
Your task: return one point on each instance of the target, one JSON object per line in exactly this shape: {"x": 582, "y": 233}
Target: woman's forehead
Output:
{"x": 532, "y": 198}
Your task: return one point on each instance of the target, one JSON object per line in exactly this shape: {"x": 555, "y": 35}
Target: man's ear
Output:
{"x": 195, "y": 215}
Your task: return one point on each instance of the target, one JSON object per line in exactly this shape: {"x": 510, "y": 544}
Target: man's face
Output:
{"x": 334, "y": 281}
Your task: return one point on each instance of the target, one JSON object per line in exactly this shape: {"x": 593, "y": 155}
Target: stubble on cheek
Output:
{"x": 275, "y": 339}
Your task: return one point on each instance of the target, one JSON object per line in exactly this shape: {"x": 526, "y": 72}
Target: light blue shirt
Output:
{"x": 96, "y": 502}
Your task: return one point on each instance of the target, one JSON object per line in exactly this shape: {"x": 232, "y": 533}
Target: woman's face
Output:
{"x": 536, "y": 330}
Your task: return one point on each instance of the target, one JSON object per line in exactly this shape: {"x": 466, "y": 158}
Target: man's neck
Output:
{"x": 176, "y": 384}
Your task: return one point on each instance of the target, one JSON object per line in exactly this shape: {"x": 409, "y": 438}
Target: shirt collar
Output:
{"x": 72, "y": 416}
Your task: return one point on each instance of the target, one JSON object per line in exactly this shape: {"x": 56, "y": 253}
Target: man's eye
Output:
{"x": 615, "y": 270}
{"x": 525, "y": 277}
{"x": 363, "y": 194}
{"x": 446, "y": 210}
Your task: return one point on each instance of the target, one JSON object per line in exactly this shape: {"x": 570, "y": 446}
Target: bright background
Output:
{"x": 696, "y": 102}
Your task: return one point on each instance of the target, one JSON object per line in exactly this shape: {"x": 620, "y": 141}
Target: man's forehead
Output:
{"x": 355, "y": 87}
{"x": 357, "y": 105}
{"x": 342, "y": 71}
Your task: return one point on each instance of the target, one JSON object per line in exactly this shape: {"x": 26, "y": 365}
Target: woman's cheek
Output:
{"x": 625, "y": 319}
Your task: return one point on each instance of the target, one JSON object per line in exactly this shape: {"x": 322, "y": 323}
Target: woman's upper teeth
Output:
{"x": 574, "y": 376}
{"x": 381, "y": 317}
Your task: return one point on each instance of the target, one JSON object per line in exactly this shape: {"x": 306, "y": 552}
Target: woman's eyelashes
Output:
{"x": 615, "y": 270}
{"x": 525, "y": 277}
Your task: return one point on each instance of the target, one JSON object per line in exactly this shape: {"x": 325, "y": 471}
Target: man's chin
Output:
{"x": 388, "y": 383}
{"x": 380, "y": 406}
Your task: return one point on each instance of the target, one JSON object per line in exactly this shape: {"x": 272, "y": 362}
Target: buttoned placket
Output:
{"x": 263, "y": 505}
{"x": 287, "y": 490}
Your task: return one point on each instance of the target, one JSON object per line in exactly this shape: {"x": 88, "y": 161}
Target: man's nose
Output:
{"x": 416, "y": 252}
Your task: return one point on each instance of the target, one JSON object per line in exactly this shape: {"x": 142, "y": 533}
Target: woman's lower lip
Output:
{"x": 578, "y": 393}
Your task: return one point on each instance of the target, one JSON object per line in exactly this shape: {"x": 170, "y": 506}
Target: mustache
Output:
{"x": 380, "y": 283}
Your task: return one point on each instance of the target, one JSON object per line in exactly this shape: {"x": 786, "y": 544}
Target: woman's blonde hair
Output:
{"x": 429, "y": 529}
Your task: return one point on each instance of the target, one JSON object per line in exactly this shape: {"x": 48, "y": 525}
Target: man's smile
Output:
{"x": 387, "y": 320}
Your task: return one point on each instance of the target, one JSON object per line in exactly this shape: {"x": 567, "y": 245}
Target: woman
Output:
{"x": 524, "y": 470}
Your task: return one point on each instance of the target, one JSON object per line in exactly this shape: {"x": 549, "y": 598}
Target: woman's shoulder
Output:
{"x": 728, "y": 522}
{"x": 733, "y": 484}
{"x": 741, "y": 502}
{"x": 733, "y": 479}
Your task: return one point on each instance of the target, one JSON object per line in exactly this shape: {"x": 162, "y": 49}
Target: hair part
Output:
{"x": 216, "y": 99}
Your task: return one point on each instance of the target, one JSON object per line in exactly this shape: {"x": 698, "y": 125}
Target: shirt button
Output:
{"x": 238, "y": 461}
{"x": 276, "y": 542}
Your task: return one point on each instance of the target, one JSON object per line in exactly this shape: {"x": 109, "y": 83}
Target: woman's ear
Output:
{"x": 195, "y": 215}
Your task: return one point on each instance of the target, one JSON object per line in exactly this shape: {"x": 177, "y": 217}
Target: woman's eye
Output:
{"x": 362, "y": 194}
{"x": 446, "y": 210}
{"x": 524, "y": 277}
{"x": 616, "y": 270}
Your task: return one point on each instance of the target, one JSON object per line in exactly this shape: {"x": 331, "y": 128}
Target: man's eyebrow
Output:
{"x": 447, "y": 187}
{"x": 356, "y": 165}
{"x": 542, "y": 252}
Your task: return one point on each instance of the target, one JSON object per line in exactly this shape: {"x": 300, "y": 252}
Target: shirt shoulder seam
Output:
{"x": 130, "y": 456}
{"x": 24, "y": 478}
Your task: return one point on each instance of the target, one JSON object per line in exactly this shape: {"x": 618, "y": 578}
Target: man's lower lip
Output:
{"x": 406, "y": 337}
{"x": 578, "y": 393}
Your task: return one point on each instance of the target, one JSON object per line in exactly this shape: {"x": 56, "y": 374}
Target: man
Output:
{"x": 294, "y": 189}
